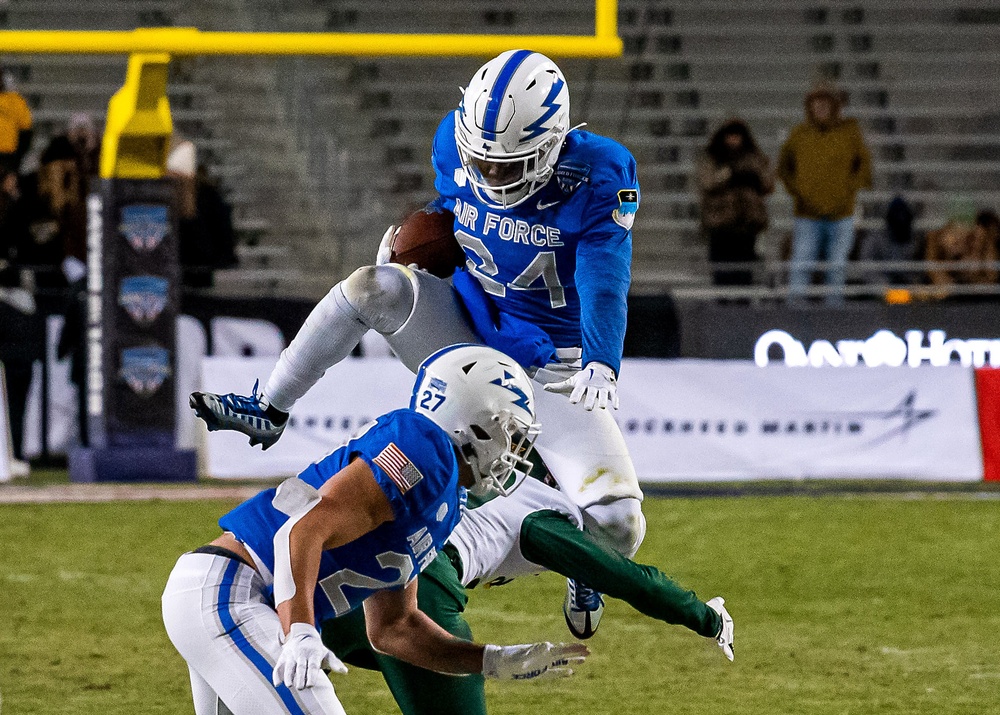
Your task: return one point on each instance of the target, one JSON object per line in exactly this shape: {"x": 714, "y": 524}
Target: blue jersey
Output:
{"x": 414, "y": 463}
{"x": 561, "y": 259}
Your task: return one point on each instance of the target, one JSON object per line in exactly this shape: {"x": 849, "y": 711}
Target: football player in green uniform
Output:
{"x": 535, "y": 528}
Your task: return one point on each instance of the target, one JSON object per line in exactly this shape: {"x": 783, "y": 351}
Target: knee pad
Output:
{"x": 382, "y": 296}
{"x": 620, "y": 524}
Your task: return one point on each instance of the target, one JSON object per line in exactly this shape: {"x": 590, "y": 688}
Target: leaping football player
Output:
{"x": 356, "y": 527}
{"x": 544, "y": 212}
{"x": 533, "y": 529}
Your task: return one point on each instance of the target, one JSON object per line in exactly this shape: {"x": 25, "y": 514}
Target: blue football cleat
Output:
{"x": 582, "y": 608}
{"x": 249, "y": 415}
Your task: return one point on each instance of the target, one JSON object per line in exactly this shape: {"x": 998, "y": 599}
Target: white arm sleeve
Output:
{"x": 294, "y": 498}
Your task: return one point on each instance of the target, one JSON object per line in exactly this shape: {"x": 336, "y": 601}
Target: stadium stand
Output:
{"x": 921, "y": 77}
{"x": 320, "y": 154}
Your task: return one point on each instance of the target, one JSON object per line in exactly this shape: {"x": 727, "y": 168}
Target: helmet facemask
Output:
{"x": 497, "y": 451}
{"x": 530, "y": 169}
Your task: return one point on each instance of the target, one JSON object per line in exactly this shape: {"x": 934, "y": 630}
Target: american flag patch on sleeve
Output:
{"x": 398, "y": 468}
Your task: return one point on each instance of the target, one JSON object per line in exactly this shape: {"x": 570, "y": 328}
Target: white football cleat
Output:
{"x": 582, "y": 608}
{"x": 725, "y": 636}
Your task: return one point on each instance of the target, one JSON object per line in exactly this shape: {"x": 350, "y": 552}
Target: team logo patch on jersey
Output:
{"x": 569, "y": 176}
{"x": 143, "y": 298}
{"x": 628, "y": 204}
{"x": 398, "y": 468}
{"x": 145, "y": 369}
{"x": 144, "y": 226}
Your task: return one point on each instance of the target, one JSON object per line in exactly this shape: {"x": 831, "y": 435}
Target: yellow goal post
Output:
{"x": 138, "y": 125}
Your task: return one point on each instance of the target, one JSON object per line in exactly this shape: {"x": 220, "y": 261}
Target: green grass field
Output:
{"x": 842, "y": 606}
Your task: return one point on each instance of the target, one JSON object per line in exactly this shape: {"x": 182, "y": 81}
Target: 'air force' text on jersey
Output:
{"x": 560, "y": 259}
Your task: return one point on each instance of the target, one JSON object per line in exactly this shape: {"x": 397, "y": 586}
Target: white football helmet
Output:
{"x": 484, "y": 401}
{"x": 510, "y": 126}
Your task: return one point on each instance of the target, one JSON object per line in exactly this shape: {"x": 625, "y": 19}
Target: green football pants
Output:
{"x": 548, "y": 539}
{"x": 417, "y": 691}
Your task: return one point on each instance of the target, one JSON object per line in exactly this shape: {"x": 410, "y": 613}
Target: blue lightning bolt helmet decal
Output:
{"x": 505, "y": 382}
{"x": 537, "y": 128}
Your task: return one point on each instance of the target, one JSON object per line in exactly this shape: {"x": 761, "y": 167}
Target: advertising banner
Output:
{"x": 988, "y": 393}
{"x": 722, "y": 420}
{"x": 685, "y": 420}
{"x": 925, "y": 332}
{"x": 6, "y": 447}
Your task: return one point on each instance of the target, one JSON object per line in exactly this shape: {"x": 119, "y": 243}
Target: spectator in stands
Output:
{"x": 733, "y": 176}
{"x": 207, "y": 240}
{"x": 823, "y": 164}
{"x": 20, "y": 339}
{"x": 15, "y": 126}
{"x": 959, "y": 241}
{"x": 66, "y": 168}
{"x": 29, "y": 233}
{"x": 10, "y": 229}
{"x": 896, "y": 242}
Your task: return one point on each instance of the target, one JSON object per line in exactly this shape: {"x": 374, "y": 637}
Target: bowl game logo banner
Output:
{"x": 133, "y": 278}
{"x": 144, "y": 226}
{"x": 721, "y": 420}
{"x": 145, "y": 369}
{"x": 143, "y": 298}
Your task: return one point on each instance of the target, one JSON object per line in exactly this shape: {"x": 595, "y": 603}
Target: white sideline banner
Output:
{"x": 727, "y": 420}
{"x": 6, "y": 447}
{"x": 683, "y": 420}
{"x": 351, "y": 394}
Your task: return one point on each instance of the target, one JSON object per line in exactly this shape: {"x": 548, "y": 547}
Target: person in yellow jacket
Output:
{"x": 15, "y": 127}
{"x": 823, "y": 164}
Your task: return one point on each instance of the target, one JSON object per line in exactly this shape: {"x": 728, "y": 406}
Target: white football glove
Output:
{"x": 532, "y": 661}
{"x": 385, "y": 246}
{"x": 303, "y": 659}
{"x": 595, "y": 384}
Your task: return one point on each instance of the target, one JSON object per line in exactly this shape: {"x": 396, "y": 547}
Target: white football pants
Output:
{"x": 419, "y": 314}
{"x": 217, "y": 617}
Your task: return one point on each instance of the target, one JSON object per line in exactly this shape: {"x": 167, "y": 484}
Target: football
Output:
{"x": 427, "y": 238}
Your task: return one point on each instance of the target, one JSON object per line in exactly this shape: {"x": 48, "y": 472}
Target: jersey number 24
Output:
{"x": 543, "y": 266}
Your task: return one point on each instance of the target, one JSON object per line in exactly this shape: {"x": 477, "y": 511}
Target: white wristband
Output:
{"x": 491, "y": 660}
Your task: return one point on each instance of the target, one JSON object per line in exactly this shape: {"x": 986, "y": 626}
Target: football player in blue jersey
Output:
{"x": 544, "y": 212}
{"x": 357, "y": 527}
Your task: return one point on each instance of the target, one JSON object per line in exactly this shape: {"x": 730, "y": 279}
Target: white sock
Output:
{"x": 329, "y": 335}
